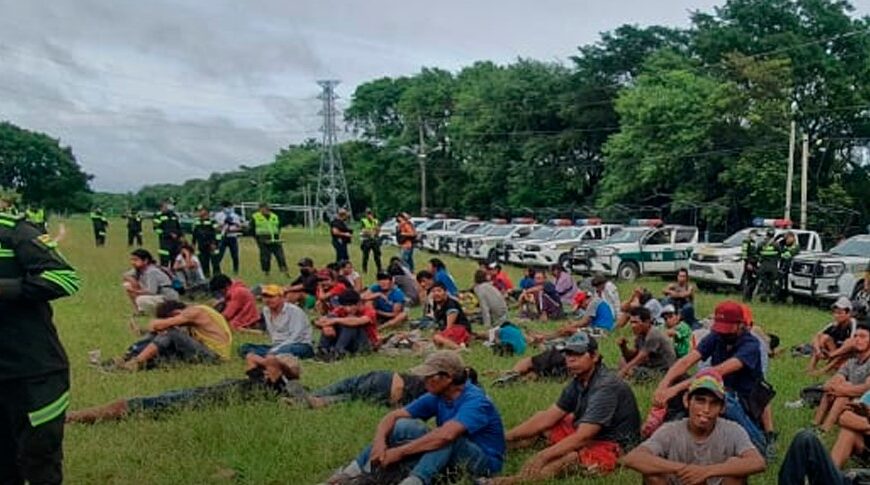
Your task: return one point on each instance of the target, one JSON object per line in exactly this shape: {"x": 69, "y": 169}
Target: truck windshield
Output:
{"x": 853, "y": 247}
{"x": 626, "y": 236}
{"x": 736, "y": 239}
{"x": 542, "y": 233}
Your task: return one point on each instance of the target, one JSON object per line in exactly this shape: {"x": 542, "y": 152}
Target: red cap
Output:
{"x": 728, "y": 317}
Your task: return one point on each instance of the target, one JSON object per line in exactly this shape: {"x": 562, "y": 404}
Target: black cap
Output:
{"x": 306, "y": 262}
{"x": 348, "y": 297}
{"x": 383, "y": 275}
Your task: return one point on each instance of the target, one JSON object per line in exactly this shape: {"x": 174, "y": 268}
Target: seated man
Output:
{"x": 807, "y": 461}
{"x": 833, "y": 343}
{"x": 596, "y": 314}
{"x": 681, "y": 292}
{"x": 677, "y": 330}
{"x": 499, "y": 278}
{"x": 147, "y": 285}
{"x": 541, "y": 301}
{"x": 493, "y": 307}
{"x": 188, "y": 269}
{"x": 274, "y": 375}
{"x": 303, "y": 290}
{"x": 735, "y": 353}
{"x": 639, "y": 297}
{"x": 194, "y": 333}
{"x": 850, "y": 382}
{"x": 350, "y": 276}
{"x": 701, "y": 448}
{"x": 594, "y": 420}
{"x": 350, "y": 329}
{"x": 287, "y": 326}
{"x": 388, "y": 300}
{"x": 469, "y": 434}
{"x": 564, "y": 283}
{"x": 653, "y": 353}
{"x": 328, "y": 289}
{"x": 239, "y": 304}
{"x": 454, "y": 331}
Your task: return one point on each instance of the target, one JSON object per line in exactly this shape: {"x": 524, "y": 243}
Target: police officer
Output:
{"x": 370, "y": 240}
{"x": 36, "y": 216}
{"x": 205, "y": 235}
{"x": 749, "y": 252}
{"x": 134, "y": 228}
{"x": 34, "y": 371}
{"x": 101, "y": 225}
{"x": 168, "y": 229}
{"x": 768, "y": 271}
{"x": 267, "y": 231}
{"x": 788, "y": 249}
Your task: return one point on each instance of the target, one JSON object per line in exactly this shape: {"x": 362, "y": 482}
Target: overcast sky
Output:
{"x": 161, "y": 91}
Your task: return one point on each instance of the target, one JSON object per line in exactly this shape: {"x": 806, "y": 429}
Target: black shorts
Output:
{"x": 550, "y": 363}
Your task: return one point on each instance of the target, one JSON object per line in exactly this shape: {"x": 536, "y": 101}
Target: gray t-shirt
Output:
{"x": 289, "y": 326}
{"x": 493, "y": 307}
{"x": 660, "y": 349}
{"x": 155, "y": 282}
{"x": 855, "y": 371}
{"x": 674, "y": 442}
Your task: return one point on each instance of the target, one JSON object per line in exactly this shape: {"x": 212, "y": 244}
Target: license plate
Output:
{"x": 698, "y": 267}
{"x": 800, "y": 282}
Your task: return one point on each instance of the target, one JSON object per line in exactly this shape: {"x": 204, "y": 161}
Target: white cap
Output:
{"x": 842, "y": 303}
{"x": 669, "y": 309}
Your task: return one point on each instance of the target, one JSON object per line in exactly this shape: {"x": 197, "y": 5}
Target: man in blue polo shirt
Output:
{"x": 389, "y": 301}
{"x": 469, "y": 433}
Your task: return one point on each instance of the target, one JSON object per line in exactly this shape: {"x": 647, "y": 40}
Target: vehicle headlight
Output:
{"x": 735, "y": 258}
{"x": 476, "y": 244}
{"x": 832, "y": 270}
{"x": 552, "y": 247}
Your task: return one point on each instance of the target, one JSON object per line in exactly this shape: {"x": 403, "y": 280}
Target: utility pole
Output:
{"x": 805, "y": 162}
{"x": 332, "y": 193}
{"x": 790, "y": 177}
{"x": 421, "y": 156}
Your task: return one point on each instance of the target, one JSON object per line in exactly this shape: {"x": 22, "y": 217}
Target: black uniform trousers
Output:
{"x": 134, "y": 236}
{"x": 209, "y": 258}
{"x": 169, "y": 250}
{"x": 371, "y": 246}
{"x": 267, "y": 249}
{"x": 32, "y": 413}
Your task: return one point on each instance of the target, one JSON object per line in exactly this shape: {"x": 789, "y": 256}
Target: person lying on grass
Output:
{"x": 388, "y": 300}
{"x": 287, "y": 325}
{"x": 468, "y": 433}
{"x": 834, "y": 343}
{"x": 196, "y": 333}
{"x": 653, "y": 353}
{"x": 594, "y": 420}
{"x": 850, "y": 382}
{"x": 454, "y": 330}
{"x": 702, "y": 448}
{"x": 807, "y": 460}
{"x": 273, "y": 375}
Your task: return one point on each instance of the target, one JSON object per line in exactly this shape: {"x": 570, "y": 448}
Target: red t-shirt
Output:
{"x": 368, "y": 311}
{"x": 241, "y": 308}
{"x": 502, "y": 281}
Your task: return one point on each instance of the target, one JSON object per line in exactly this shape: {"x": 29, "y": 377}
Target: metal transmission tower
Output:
{"x": 332, "y": 192}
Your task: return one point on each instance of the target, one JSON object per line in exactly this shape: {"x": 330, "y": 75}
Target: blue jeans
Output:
{"x": 233, "y": 244}
{"x": 460, "y": 453}
{"x": 407, "y": 256}
{"x": 807, "y": 459}
{"x": 300, "y": 350}
{"x": 373, "y": 386}
{"x": 735, "y": 412}
{"x": 348, "y": 340}
{"x": 191, "y": 397}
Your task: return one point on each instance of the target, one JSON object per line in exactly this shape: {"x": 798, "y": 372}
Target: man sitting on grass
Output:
{"x": 678, "y": 330}
{"x": 287, "y": 325}
{"x": 468, "y": 436}
{"x": 493, "y": 306}
{"x": 147, "y": 285}
{"x": 272, "y": 375}
{"x": 454, "y": 331}
{"x": 701, "y": 448}
{"x": 653, "y": 352}
{"x": 541, "y": 301}
{"x": 833, "y": 343}
{"x": 850, "y": 382}
{"x": 350, "y": 329}
{"x": 328, "y": 289}
{"x": 196, "y": 333}
{"x": 239, "y": 304}
{"x": 389, "y": 301}
{"x": 303, "y": 290}
{"x": 592, "y": 423}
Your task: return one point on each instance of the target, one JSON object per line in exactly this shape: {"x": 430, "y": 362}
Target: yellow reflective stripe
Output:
{"x": 49, "y": 412}
{"x": 7, "y": 222}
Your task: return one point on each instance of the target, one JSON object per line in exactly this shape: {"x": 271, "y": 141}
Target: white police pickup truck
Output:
{"x": 827, "y": 276}
{"x": 559, "y": 248}
{"x": 722, "y": 263}
{"x": 647, "y": 248}
{"x": 483, "y": 248}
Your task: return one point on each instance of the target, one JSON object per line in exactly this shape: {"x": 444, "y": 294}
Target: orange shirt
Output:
{"x": 407, "y": 229}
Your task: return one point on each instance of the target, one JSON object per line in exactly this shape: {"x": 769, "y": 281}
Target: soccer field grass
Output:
{"x": 269, "y": 442}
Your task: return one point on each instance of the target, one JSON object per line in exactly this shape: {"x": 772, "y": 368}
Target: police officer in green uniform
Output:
{"x": 370, "y": 240}
{"x": 749, "y": 253}
{"x": 101, "y": 225}
{"x": 789, "y": 248}
{"x": 168, "y": 229}
{"x": 267, "y": 231}
{"x": 36, "y": 216}
{"x": 134, "y": 228}
{"x": 768, "y": 273}
{"x": 34, "y": 371}
{"x": 205, "y": 235}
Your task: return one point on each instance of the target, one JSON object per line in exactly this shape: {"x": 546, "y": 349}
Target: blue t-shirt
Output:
{"x": 386, "y": 304}
{"x": 527, "y": 283}
{"x": 745, "y": 349}
{"x": 475, "y": 412}
{"x": 602, "y": 314}
{"x": 443, "y": 277}
{"x": 513, "y": 335}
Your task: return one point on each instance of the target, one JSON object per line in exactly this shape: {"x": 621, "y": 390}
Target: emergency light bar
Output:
{"x": 646, "y": 222}
{"x": 776, "y": 223}
{"x": 440, "y": 216}
{"x": 592, "y": 221}
{"x": 523, "y": 220}
{"x": 498, "y": 220}
{"x": 560, "y": 222}
{"x": 472, "y": 219}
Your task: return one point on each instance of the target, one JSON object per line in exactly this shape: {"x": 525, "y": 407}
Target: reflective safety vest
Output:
{"x": 769, "y": 250}
{"x": 370, "y": 226}
{"x": 267, "y": 227}
{"x": 36, "y": 216}
{"x": 790, "y": 251}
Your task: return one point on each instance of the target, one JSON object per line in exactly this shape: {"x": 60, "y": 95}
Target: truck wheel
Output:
{"x": 565, "y": 262}
{"x": 628, "y": 271}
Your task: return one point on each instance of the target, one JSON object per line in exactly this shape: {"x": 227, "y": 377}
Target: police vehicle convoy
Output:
{"x": 484, "y": 247}
{"x": 554, "y": 230}
{"x": 558, "y": 249}
{"x": 829, "y": 275}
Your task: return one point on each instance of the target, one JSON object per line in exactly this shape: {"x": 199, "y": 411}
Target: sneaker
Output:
{"x": 794, "y": 404}
{"x": 507, "y": 379}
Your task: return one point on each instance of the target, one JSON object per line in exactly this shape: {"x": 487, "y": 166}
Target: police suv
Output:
{"x": 484, "y": 248}
{"x": 827, "y": 276}
{"x": 558, "y": 248}
{"x": 645, "y": 247}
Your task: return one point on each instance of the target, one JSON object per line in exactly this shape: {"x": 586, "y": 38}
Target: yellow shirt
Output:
{"x": 222, "y": 349}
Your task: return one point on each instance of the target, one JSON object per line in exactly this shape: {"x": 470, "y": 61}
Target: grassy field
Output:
{"x": 268, "y": 442}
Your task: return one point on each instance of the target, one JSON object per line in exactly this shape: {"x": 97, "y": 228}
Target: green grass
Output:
{"x": 267, "y": 442}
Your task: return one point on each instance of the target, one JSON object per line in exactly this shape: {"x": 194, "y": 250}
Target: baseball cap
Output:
{"x": 493, "y": 265}
{"x": 290, "y": 365}
{"x": 443, "y": 361}
{"x": 842, "y": 303}
{"x": 579, "y": 343}
{"x": 271, "y": 290}
{"x": 727, "y": 317}
{"x": 599, "y": 279}
{"x": 708, "y": 380}
{"x": 348, "y": 298}
{"x": 305, "y": 262}
{"x": 668, "y": 309}
{"x": 383, "y": 275}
